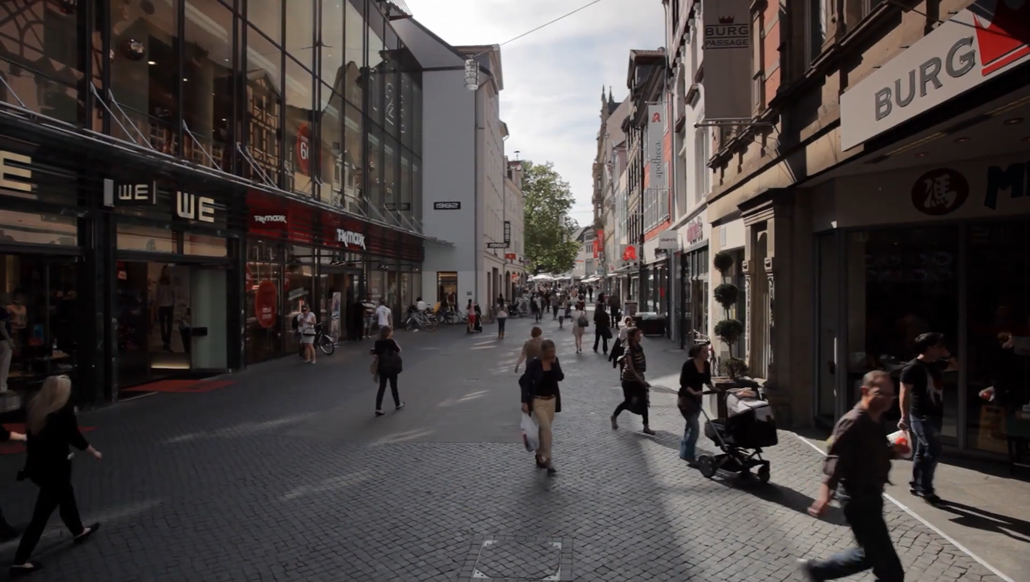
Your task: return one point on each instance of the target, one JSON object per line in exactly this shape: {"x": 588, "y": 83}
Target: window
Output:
{"x": 145, "y": 72}
{"x": 333, "y": 40}
{"x": 45, "y": 44}
{"x": 816, "y": 17}
{"x": 391, "y": 188}
{"x": 331, "y": 149}
{"x": 353, "y": 150}
{"x": 375, "y": 168}
{"x": 37, "y": 229}
{"x": 298, "y": 166}
{"x": 300, "y": 31}
{"x": 207, "y": 96}
{"x": 264, "y": 106}
{"x": 353, "y": 41}
{"x": 267, "y": 16}
{"x": 377, "y": 66}
{"x": 702, "y": 152}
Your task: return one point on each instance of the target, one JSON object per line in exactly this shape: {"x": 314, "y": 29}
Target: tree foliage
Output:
{"x": 550, "y": 246}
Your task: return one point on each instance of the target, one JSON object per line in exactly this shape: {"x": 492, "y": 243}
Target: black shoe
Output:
{"x": 380, "y": 413}
{"x": 540, "y": 464}
{"x": 551, "y": 471}
{"x": 22, "y": 570}
{"x": 932, "y": 499}
{"x": 400, "y": 406}
{"x": 85, "y": 535}
{"x": 693, "y": 464}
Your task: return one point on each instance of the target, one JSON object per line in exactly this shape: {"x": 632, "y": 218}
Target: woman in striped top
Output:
{"x": 634, "y": 386}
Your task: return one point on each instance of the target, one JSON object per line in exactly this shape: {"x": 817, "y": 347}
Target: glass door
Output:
{"x": 204, "y": 322}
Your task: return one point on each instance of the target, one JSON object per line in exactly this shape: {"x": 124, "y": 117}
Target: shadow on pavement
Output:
{"x": 988, "y": 521}
{"x": 780, "y": 495}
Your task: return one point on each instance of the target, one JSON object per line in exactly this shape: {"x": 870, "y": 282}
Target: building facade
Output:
{"x": 167, "y": 210}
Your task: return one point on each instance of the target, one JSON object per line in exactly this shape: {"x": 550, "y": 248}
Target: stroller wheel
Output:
{"x": 763, "y": 474}
{"x": 706, "y": 465}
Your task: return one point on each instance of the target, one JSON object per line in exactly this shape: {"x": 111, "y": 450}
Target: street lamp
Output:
{"x": 471, "y": 74}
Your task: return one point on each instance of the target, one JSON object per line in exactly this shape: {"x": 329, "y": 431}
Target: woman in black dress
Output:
{"x": 388, "y": 354}
{"x": 51, "y": 428}
{"x": 7, "y": 532}
{"x": 635, "y": 388}
{"x": 696, "y": 374}
{"x": 542, "y": 397}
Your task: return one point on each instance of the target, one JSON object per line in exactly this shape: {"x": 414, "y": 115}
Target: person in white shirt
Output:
{"x": 421, "y": 305}
{"x": 306, "y": 327}
{"x": 384, "y": 314}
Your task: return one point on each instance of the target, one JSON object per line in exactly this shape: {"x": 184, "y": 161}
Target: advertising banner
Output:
{"x": 655, "y": 139}
{"x": 727, "y": 58}
{"x": 981, "y": 42}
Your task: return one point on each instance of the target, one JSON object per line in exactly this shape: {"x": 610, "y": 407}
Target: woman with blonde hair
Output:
{"x": 51, "y": 427}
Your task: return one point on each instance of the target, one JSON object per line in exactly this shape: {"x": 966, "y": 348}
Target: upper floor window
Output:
{"x": 817, "y": 14}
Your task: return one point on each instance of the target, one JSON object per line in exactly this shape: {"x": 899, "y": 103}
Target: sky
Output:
{"x": 553, "y": 77}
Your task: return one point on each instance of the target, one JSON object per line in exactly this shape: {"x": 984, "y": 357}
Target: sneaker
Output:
{"x": 805, "y": 567}
{"x": 648, "y": 431}
{"x": 932, "y": 499}
{"x": 380, "y": 413}
{"x": 400, "y": 406}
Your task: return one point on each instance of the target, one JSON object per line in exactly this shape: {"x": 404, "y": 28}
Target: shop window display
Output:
{"x": 900, "y": 284}
{"x": 998, "y": 352}
{"x": 299, "y": 290}
{"x": 264, "y": 286}
{"x": 39, "y": 299}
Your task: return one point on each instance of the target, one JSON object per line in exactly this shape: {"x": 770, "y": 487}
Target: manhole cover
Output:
{"x": 535, "y": 560}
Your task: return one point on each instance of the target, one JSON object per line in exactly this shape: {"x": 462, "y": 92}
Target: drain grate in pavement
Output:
{"x": 525, "y": 559}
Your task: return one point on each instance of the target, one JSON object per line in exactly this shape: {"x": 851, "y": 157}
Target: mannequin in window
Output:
{"x": 165, "y": 308}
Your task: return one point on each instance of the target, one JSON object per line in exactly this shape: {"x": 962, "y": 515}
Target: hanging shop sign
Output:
{"x": 940, "y": 192}
{"x": 629, "y": 253}
{"x": 266, "y": 219}
{"x": 350, "y": 238}
{"x": 727, "y": 57}
{"x": 194, "y": 208}
{"x": 507, "y": 231}
{"x": 510, "y": 256}
{"x": 654, "y": 145}
{"x": 496, "y": 245}
{"x": 979, "y": 43}
{"x": 669, "y": 240}
{"x": 452, "y": 205}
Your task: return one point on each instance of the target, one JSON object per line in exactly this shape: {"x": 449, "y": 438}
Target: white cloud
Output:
{"x": 553, "y": 77}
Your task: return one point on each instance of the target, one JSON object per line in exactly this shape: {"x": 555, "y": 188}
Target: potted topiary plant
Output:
{"x": 728, "y": 330}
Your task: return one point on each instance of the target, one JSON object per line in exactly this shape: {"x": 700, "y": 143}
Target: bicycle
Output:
{"x": 325, "y": 343}
{"x": 418, "y": 320}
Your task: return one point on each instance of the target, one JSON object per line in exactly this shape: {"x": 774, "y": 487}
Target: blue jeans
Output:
{"x": 927, "y": 436}
{"x": 690, "y": 434}
{"x": 875, "y": 549}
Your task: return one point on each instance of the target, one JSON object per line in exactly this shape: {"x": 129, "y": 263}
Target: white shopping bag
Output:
{"x": 530, "y": 433}
{"x": 901, "y": 440}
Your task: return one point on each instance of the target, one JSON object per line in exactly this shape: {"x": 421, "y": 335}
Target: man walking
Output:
{"x": 370, "y": 312}
{"x": 554, "y": 305}
{"x": 385, "y": 315}
{"x": 860, "y": 460}
{"x": 922, "y": 409}
{"x": 602, "y": 327}
{"x": 613, "y": 308}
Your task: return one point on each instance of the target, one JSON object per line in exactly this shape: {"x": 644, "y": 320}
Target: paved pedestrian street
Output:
{"x": 286, "y": 475}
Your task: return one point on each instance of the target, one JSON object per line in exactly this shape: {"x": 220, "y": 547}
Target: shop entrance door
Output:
{"x": 171, "y": 321}
{"x": 338, "y": 292}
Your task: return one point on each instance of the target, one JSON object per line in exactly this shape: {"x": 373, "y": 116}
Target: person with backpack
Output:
{"x": 580, "y": 323}
{"x": 602, "y": 327}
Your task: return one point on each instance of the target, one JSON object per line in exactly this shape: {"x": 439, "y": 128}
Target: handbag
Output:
{"x": 583, "y": 321}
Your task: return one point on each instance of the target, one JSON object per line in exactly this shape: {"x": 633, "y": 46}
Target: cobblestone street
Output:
{"x": 286, "y": 475}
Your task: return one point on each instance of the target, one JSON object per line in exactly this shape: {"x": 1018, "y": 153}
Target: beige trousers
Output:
{"x": 543, "y": 412}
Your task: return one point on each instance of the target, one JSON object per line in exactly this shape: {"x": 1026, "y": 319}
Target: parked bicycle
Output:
{"x": 323, "y": 341}
{"x": 455, "y": 317}
{"x": 420, "y": 320}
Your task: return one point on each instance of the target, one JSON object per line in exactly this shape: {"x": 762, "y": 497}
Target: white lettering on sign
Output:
{"x": 350, "y": 238}
{"x": 266, "y": 218}
{"x": 193, "y": 207}
{"x": 135, "y": 192}
{"x": 6, "y": 171}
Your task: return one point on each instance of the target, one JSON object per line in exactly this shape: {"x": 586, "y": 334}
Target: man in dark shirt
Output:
{"x": 922, "y": 409}
{"x": 860, "y": 460}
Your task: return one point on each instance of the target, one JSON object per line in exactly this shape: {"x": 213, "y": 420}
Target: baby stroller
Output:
{"x": 745, "y": 425}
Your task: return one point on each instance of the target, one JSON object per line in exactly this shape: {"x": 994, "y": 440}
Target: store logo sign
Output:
{"x": 191, "y": 207}
{"x": 940, "y": 192}
{"x": 695, "y": 230}
{"x": 8, "y": 171}
{"x": 267, "y": 218}
{"x": 351, "y": 239}
{"x": 1014, "y": 179}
